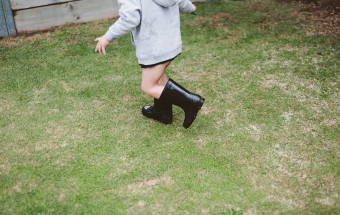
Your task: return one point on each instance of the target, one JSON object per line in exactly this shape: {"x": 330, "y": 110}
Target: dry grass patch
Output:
{"x": 147, "y": 186}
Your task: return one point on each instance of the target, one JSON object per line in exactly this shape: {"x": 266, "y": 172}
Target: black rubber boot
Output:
{"x": 160, "y": 111}
{"x": 191, "y": 103}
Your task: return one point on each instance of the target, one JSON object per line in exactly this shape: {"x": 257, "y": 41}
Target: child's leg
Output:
{"x": 154, "y": 80}
{"x": 168, "y": 92}
{"x": 163, "y": 80}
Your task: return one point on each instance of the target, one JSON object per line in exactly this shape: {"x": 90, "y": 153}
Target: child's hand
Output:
{"x": 102, "y": 43}
{"x": 194, "y": 8}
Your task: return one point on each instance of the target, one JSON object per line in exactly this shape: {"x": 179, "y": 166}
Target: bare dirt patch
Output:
{"x": 217, "y": 17}
{"x": 16, "y": 41}
{"x": 221, "y": 16}
{"x": 326, "y": 21}
{"x": 261, "y": 6}
{"x": 215, "y": 20}
{"x": 323, "y": 20}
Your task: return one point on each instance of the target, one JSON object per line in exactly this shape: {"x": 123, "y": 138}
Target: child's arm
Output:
{"x": 185, "y": 6}
{"x": 129, "y": 13}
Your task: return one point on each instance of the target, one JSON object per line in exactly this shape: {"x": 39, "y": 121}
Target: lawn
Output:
{"x": 267, "y": 141}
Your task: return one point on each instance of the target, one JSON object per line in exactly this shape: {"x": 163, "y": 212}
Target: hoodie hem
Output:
{"x": 160, "y": 58}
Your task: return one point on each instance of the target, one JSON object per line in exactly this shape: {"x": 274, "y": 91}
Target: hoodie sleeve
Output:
{"x": 185, "y": 6}
{"x": 129, "y": 12}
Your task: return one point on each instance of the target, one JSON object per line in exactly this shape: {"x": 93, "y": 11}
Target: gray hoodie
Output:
{"x": 154, "y": 27}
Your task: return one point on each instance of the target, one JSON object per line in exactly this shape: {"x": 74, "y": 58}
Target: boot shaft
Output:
{"x": 162, "y": 105}
{"x": 176, "y": 94}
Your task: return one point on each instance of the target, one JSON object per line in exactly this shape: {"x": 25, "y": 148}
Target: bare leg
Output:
{"x": 163, "y": 80}
{"x": 154, "y": 80}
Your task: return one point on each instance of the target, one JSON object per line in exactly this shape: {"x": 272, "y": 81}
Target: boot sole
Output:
{"x": 164, "y": 121}
{"x": 197, "y": 108}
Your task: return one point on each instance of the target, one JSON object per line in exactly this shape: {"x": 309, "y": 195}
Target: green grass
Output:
{"x": 73, "y": 139}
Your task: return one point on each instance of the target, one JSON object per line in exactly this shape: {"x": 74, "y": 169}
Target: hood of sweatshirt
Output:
{"x": 166, "y": 3}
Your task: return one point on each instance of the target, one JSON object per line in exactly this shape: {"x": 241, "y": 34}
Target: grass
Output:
{"x": 73, "y": 140}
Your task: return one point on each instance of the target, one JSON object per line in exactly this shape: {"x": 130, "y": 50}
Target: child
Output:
{"x": 155, "y": 31}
